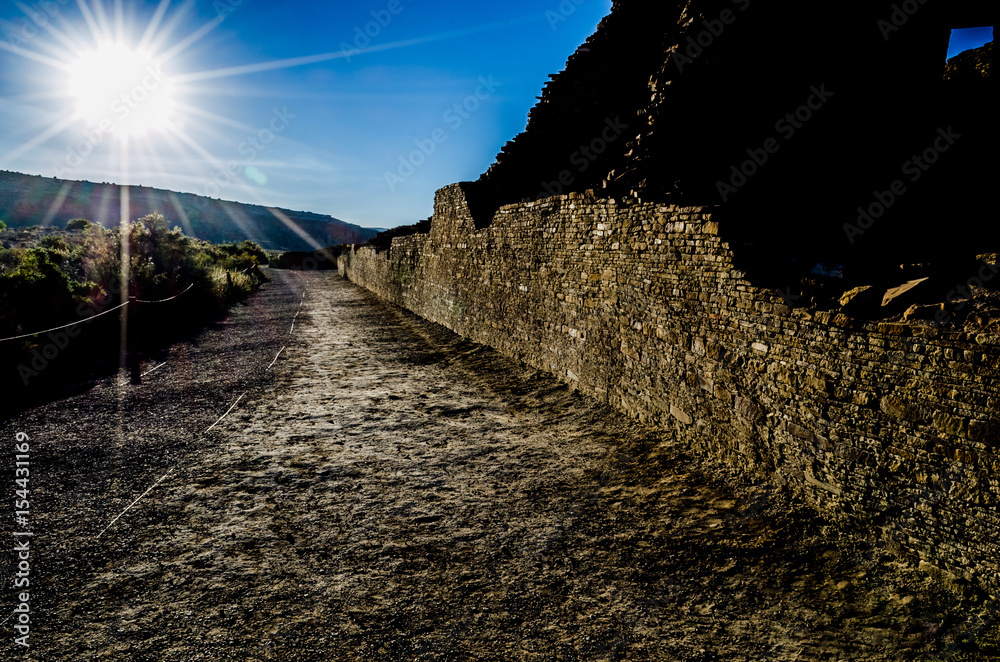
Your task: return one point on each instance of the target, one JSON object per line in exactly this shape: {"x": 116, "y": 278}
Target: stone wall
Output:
{"x": 889, "y": 427}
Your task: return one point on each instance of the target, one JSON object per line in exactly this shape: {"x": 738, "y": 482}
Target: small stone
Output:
{"x": 681, "y": 415}
{"x": 798, "y": 431}
{"x": 950, "y": 424}
{"x": 749, "y": 410}
{"x": 899, "y": 408}
{"x": 987, "y": 432}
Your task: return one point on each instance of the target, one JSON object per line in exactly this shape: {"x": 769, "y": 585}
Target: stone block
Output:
{"x": 987, "y": 432}
{"x": 799, "y": 431}
{"x": 861, "y": 299}
{"x": 902, "y": 409}
{"x": 750, "y": 410}
{"x": 829, "y": 487}
{"x": 950, "y": 424}
{"x": 905, "y": 295}
{"x": 890, "y": 329}
{"x": 681, "y": 415}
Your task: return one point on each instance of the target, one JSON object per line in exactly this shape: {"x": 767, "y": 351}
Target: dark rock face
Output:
{"x": 824, "y": 133}
{"x": 586, "y": 115}
{"x": 972, "y": 65}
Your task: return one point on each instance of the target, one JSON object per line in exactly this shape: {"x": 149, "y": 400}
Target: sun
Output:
{"x": 121, "y": 90}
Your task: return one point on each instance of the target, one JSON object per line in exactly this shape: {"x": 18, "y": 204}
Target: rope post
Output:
{"x": 132, "y": 344}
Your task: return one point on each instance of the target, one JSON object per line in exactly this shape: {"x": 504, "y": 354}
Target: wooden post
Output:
{"x": 132, "y": 344}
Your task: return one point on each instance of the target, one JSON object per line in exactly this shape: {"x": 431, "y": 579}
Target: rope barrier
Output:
{"x": 65, "y": 326}
{"x": 106, "y": 312}
{"x": 176, "y": 296}
{"x": 93, "y": 317}
{"x": 166, "y": 475}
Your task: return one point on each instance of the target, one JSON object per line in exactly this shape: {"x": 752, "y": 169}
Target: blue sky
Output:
{"x": 966, "y": 38}
{"x": 435, "y": 91}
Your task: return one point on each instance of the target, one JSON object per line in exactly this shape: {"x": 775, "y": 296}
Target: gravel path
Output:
{"x": 389, "y": 492}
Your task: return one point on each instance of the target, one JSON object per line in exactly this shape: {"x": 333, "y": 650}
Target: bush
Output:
{"x": 241, "y": 256}
{"x": 78, "y": 224}
{"x": 34, "y": 288}
{"x": 46, "y": 284}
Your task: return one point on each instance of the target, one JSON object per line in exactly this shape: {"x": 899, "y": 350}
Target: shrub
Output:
{"x": 34, "y": 289}
{"x": 48, "y": 283}
{"x": 78, "y": 224}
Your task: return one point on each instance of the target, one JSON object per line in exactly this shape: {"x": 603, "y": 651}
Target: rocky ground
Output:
{"x": 385, "y": 491}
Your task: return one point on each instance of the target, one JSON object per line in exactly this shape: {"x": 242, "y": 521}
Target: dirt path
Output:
{"x": 389, "y": 492}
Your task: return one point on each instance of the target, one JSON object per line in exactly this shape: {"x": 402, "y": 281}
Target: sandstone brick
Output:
{"x": 798, "y": 431}
{"x": 900, "y": 408}
{"x": 949, "y": 424}
{"x": 988, "y": 432}
{"x": 749, "y": 410}
{"x": 681, "y": 415}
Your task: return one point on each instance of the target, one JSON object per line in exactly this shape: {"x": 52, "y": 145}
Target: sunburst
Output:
{"x": 121, "y": 90}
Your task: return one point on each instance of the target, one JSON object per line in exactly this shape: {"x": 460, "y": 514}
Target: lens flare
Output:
{"x": 120, "y": 90}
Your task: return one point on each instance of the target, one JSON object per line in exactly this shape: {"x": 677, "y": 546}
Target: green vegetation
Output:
{"x": 49, "y": 283}
{"x": 78, "y": 224}
{"x": 3, "y": 226}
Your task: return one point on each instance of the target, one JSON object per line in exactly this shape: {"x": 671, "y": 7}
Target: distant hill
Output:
{"x": 27, "y": 200}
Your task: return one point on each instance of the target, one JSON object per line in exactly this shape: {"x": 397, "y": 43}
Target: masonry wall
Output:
{"x": 891, "y": 427}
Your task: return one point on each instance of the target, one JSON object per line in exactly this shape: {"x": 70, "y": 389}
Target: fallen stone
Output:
{"x": 799, "y": 431}
{"x": 812, "y": 480}
{"x": 906, "y": 294}
{"x": 862, "y": 300}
